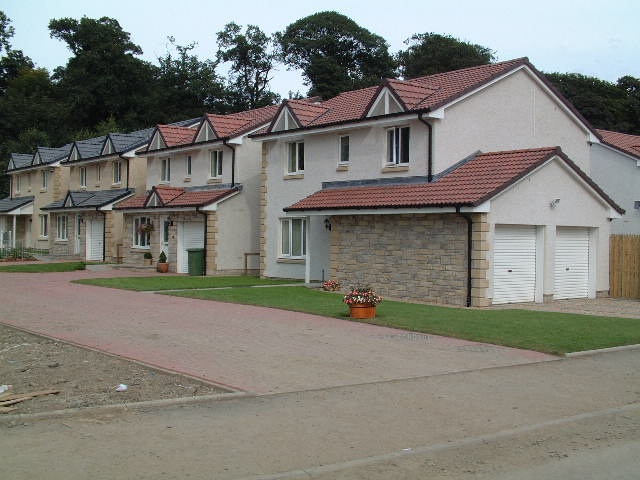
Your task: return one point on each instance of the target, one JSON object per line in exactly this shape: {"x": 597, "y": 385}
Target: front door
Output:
{"x": 95, "y": 239}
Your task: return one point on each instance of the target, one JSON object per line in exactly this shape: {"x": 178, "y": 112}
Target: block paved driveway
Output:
{"x": 260, "y": 350}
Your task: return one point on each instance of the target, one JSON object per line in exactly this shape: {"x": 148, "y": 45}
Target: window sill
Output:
{"x": 43, "y": 190}
{"x": 142, "y": 249}
{"x": 83, "y": 187}
{"x": 164, "y": 182}
{"x": 61, "y": 240}
{"x": 116, "y": 185}
{"x": 214, "y": 180}
{"x": 395, "y": 168}
{"x": 342, "y": 168}
{"x": 297, "y": 261}
{"x": 97, "y": 185}
{"x": 294, "y": 176}
{"x": 187, "y": 179}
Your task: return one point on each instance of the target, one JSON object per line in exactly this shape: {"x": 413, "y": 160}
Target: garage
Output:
{"x": 514, "y": 264}
{"x": 571, "y": 263}
{"x": 191, "y": 235}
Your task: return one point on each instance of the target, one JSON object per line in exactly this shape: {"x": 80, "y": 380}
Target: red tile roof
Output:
{"x": 622, "y": 141}
{"x": 173, "y": 197}
{"x": 174, "y": 136}
{"x": 474, "y": 182}
{"x": 238, "y": 123}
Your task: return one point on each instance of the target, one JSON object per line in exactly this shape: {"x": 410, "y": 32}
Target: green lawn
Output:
{"x": 44, "y": 267}
{"x": 549, "y": 332}
{"x": 171, "y": 282}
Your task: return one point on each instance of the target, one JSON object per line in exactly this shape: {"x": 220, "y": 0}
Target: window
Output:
{"x": 344, "y": 149}
{"x": 17, "y": 183}
{"x": 45, "y": 179}
{"x": 398, "y": 145}
{"x": 44, "y": 226}
{"x": 216, "y": 164}
{"x": 141, "y": 233}
{"x": 188, "y": 165}
{"x": 98, "y": 173}
{"x": 165, "y": 170}
{"x": 62, "y": 231}
{"x": 83, "y": 176}
{"x": 117, "y": 172}
{"x": 29, "y": 180}
{"x": 165, "y": 231}
{"x": 295, "y": 162}
{"x": 294, "y": 238}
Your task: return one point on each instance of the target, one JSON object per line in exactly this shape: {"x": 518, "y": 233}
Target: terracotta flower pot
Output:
{"x": 362, "y": 310}
{"x": 163, "y": 267}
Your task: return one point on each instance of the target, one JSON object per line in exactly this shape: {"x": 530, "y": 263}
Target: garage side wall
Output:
{"x": 418, "y": 257}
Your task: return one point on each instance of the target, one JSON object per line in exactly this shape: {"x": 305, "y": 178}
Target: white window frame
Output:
{"x": 45, "y": 179}
{"x": 398, "y": 145}
{"x": 116, "y": 169}
{"x": 44, "y": 226}
{"x": 62, "y": 227}
{"x": 141, "y": 239}
{"x": 165, "y": 170}
{"x": 288, "y": 230}
{"x": 83, "y": 177}
{"x": 216, "y": 158}
{"x": 187, "y": 163}
{"x": 98, "y": 173}
{"x": 17, "y": 183}
{"x": 295, "y": 158}
{"x": 341, "y": 150}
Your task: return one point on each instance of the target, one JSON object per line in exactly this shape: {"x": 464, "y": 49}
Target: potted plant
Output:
{"x": 362, "y": 301}
{"x": 147, "y": 258}
{"x": 163, "y": 265}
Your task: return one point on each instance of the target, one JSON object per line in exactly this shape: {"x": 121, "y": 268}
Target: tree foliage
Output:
{"x": 251, "y": 58}
{"x": 430, "y": 53}
{"x": 606, "y": 105}
{"x": 334, "y": 53}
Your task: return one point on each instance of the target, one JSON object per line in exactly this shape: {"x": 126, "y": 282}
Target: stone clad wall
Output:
{"x": 416, "y": 257}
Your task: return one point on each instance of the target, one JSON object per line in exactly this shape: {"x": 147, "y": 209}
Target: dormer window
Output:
{"x": 165, "y": 170}
{"x": 398, "y": 146}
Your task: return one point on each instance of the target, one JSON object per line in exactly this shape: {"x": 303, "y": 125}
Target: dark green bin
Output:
{"x": 195, "y": 261}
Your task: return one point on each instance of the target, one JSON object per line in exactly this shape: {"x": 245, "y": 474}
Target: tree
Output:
{"x": 104, "y": 78}
{"x": 430, "y": 53}
{"x": 604, "y": 104}
{"x": 631, "y": 87}
{"x": 188, "y": 86}
{"x": 6, "y": 32}
{"x": 334, "y": 53}
{"x": 251, "y": 56}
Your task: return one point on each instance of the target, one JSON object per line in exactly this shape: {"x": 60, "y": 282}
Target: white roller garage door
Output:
{"x": 572, "y": 263}
{"x": 192, "y": 236}
{"x": 514, "y": 264}
{"x": 95, "y": 240}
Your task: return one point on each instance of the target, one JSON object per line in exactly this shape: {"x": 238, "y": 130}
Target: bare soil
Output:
{"x": 84, "y": 377}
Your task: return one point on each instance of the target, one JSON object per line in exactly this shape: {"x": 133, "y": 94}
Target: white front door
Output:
{"x": 514, "y": 264}
{"x": 572, "y": 263}
{"x": 190, "y": 235}
{"x": 95, "y": 239}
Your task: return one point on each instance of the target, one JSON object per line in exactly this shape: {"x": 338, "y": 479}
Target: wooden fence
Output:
{"x": 624, "y": 266}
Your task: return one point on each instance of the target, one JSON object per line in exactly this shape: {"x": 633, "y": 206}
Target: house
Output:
{"x": 35, "y": 180}
{"x": 615, "y": 166}
{"x": 389, "y": 186}
{"x": 102, "y": 170}
{"x": 202, "y": 192}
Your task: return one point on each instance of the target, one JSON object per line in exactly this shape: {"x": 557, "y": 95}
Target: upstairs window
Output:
{"x": 216, "y": 164}
{"x": 295, "y": 158}
{"x": 188, "y": 165}
{"x": 83, "y": 176}
{"x": 45, "y": 179}
{"x": 117, "y": 172}
{"x": 165, "y": 170}
{"x": 293, "y": 242}
{"x": 344, "y": 150}
{"x": 17, "y": 183}
{"x": 398, "y": 145}
{"x": 98, "y": 173}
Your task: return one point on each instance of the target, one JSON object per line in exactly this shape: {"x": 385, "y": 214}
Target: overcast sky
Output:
{"x": 593, "y": 38}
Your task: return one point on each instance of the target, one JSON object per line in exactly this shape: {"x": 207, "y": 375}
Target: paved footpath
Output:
{"x": 260, "y": 350}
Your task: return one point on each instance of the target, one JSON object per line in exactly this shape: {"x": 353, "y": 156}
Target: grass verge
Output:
{"x": 550, "y": 332}
{"x": 44, "y": 267}
{"x": 172, "y": 282}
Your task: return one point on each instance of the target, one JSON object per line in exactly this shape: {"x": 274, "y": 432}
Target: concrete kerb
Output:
{"x": 603, "y": 350}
